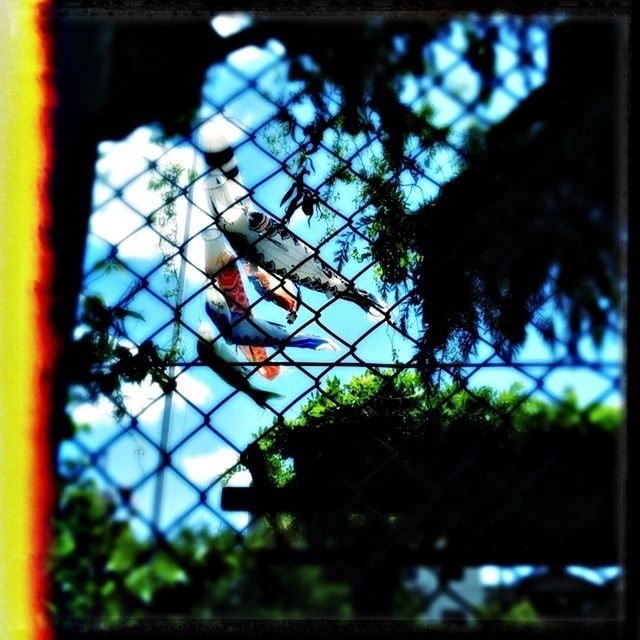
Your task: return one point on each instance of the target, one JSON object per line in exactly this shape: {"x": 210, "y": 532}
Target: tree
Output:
{"x": 453, "y": 472}
{"x": 534, "y": 215}
{"x": 462, "y": 476}
{"x": 100, "y": 569}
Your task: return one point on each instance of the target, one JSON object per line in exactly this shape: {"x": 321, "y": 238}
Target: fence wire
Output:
{"x": 166, "y": 458}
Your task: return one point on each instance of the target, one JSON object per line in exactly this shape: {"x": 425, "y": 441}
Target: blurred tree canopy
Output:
{"x": 475, "y": 472}
{"x": 534, "y": 214}
{"x": 100, "y": 569}
{"x": 457, "y": 466}
{"x": 496, "y": 427}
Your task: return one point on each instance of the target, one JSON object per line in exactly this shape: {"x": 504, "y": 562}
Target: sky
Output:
{"x": 122, "y": 204}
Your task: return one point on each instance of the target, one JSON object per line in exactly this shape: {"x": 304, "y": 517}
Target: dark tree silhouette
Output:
{"x": 534, "y": 214}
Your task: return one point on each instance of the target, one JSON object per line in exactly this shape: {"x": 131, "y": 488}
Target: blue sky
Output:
{"x": 122, "y": 221}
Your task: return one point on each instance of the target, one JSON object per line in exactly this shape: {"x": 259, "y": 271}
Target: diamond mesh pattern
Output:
{"x": 166, "y": 460}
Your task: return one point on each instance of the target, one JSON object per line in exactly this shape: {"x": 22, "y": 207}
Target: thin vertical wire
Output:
{"x": 167, "y": 413}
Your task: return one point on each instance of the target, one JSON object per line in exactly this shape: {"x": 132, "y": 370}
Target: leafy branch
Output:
{"x": 169, "y": 184}
{"x": 101, "y": 361}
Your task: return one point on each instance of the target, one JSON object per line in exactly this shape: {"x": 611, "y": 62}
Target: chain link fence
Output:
{"x": 175, "y": 453}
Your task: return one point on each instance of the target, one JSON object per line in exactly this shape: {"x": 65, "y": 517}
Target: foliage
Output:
{"x": 101, "y": 358}
{"x": 100, "y": 569}
{"x": 378, "y": 426}
{"x": 496, "y": 456}
{"x": 397, "y": 404}
{"x": 381, "y": 55}
{"x": 519, "y": 612}
{"x": 529, "y": 216}
{"x": 532, "y": 216}
{"x": 86, "y": 540}
{"x": 168, "y": 183}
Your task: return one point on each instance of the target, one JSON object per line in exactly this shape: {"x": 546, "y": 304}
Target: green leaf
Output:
{"x": 64, "y": 544}
{"x": 167, "y": 570}
{"x": 141, "y": 583}
{"x": 146, "y": 580}
{"x": 316, "y": 411}
{"x": 522, "y": 611}
{"x": 232, "y": 560}
{"x": 108, "y": 589}
{"x": 124, "y": 554}
{"x": 120, "y": 312}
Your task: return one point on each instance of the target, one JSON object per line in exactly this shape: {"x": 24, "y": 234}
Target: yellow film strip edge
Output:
{"x": 23, "y": 407}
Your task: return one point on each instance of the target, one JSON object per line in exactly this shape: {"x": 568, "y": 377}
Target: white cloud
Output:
{"x": 205, "y": 468}
{"x": 96, "y": 414}
{"x": 240, "y": 479}
{"x": 276, "y": 47}
{"x": 490, "y": 575}
{"x": 138, "y": 396}
{"x": 121, "y": 161}
{"x": 143, "y": 244}
{"x": 184, "y": 155}
{"x": 247, "y": 56}
{"x": 114, "y": 222}
{"x": 79, "y": 331}
{"x": 196, "y": 391}
{"x": 226, "y": 24}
